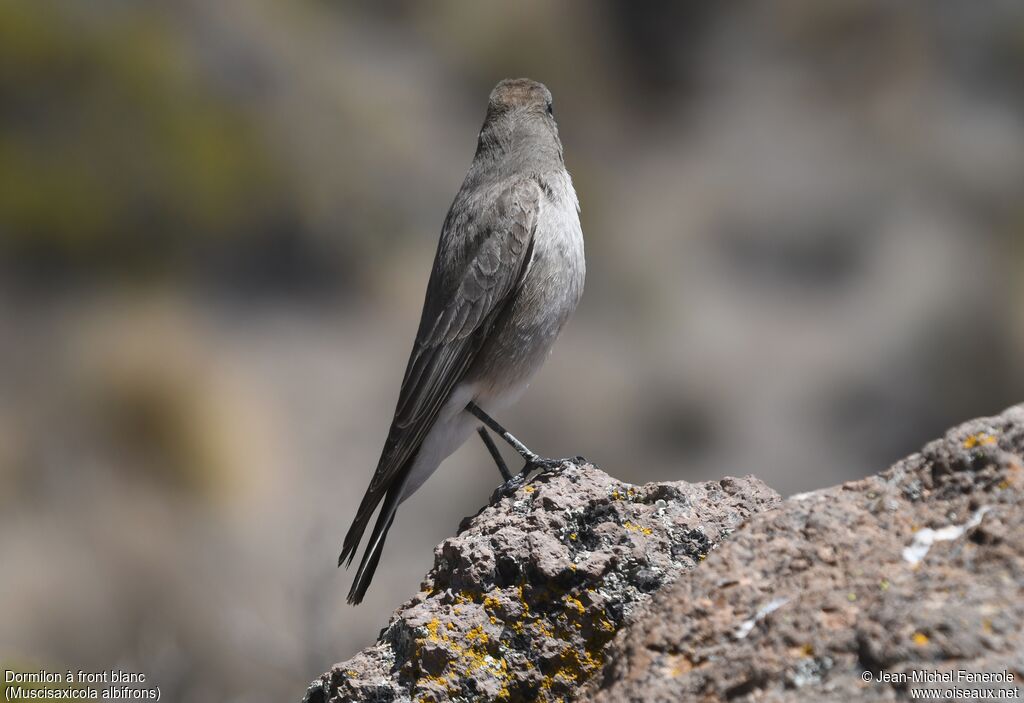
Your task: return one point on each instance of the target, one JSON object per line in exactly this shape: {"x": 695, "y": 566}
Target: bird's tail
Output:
{"x": 368, "y": 564}
{"x": 358, "y": 527}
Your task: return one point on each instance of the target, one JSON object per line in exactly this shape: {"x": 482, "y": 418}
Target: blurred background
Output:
{"x": 805, "y": 243}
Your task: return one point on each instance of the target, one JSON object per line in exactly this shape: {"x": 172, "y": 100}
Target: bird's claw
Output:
{"x": 551, "y": 465}
{"x": 509, "y": 487}
{"x": 541, "y": 464}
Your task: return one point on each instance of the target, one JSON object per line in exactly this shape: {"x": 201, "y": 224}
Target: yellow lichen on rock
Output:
{"x": 576, "y": 604}
{"x": 979, "y": 439}
{"x": 637, "y": 528}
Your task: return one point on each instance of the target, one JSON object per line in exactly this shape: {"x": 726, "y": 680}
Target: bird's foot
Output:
{"x": 550, "y": 467}
{"x": 509, "y": 487}
{"x": 536, "y": 463}
{"x": 545, "y": 465}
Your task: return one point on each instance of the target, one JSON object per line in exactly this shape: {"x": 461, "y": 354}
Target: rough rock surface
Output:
{"x": 920, "y": 568}
{"x": 579, "y": 586}
{"x": 521, "y": 604}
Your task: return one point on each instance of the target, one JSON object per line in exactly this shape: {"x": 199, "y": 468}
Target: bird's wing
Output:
{"x": 485, "y": 248}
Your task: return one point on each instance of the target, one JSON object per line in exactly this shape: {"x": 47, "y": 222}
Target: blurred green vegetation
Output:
{"x": 115, "y": 156}
{"x": 158, "y": 406}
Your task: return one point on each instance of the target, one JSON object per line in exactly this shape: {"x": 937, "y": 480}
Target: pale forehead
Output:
{"x": 513, "y": 92}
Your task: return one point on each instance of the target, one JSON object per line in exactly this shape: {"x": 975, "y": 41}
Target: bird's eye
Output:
{"x": 551, "y": 109}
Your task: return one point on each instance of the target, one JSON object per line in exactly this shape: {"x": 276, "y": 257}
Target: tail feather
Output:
{"x": 368, "y": 564}
{"x": 371, "y": 499}
{"x": 358, "y": 527}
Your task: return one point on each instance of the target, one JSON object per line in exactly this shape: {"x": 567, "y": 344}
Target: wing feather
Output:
{"x": 479, "y": 263}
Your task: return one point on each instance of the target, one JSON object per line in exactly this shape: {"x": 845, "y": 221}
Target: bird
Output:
{"x": 507, "y": 275}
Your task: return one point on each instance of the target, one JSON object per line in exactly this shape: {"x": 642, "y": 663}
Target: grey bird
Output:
{"x": 507, "y": 275}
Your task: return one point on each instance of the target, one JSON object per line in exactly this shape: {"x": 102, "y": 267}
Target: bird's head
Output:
{"x": 520, "y": 96}
{"x": 520, "y": 121}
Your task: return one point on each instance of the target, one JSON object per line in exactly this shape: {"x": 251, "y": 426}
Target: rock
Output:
{"x": 580, "y": 586}
{"x": 919, "y": 568}
{"x": 521, "y": 604}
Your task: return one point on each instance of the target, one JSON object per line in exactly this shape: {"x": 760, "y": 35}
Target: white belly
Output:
{"x": 453, "y": 427}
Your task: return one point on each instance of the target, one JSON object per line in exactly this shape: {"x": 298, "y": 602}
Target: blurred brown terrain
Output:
{"x": 216, "y": 225}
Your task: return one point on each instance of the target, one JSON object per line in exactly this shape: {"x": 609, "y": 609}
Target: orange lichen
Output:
{"x": 574, "y": 666}
{"x": 980, "y": 439}
{"x": 805, "y": 650}
{"x": 679, "y": 664}
{"x": 473, "y": 659}
{"x": 432, "y": 630}
{"x": 637, "y": 528}
{"x": 439, "y": 681}
{"x": 522, "y": 599}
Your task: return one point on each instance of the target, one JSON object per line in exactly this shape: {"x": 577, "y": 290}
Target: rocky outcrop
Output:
{"x": 522, "y": 603}
{"x": 581, "y": 586}
{"x": 917, "y": 569}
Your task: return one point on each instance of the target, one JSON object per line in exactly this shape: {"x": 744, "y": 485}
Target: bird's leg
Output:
{"x": 495, "y": 454}
{"x": 491, "y": 423}
{"x": 533, "y": 460}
